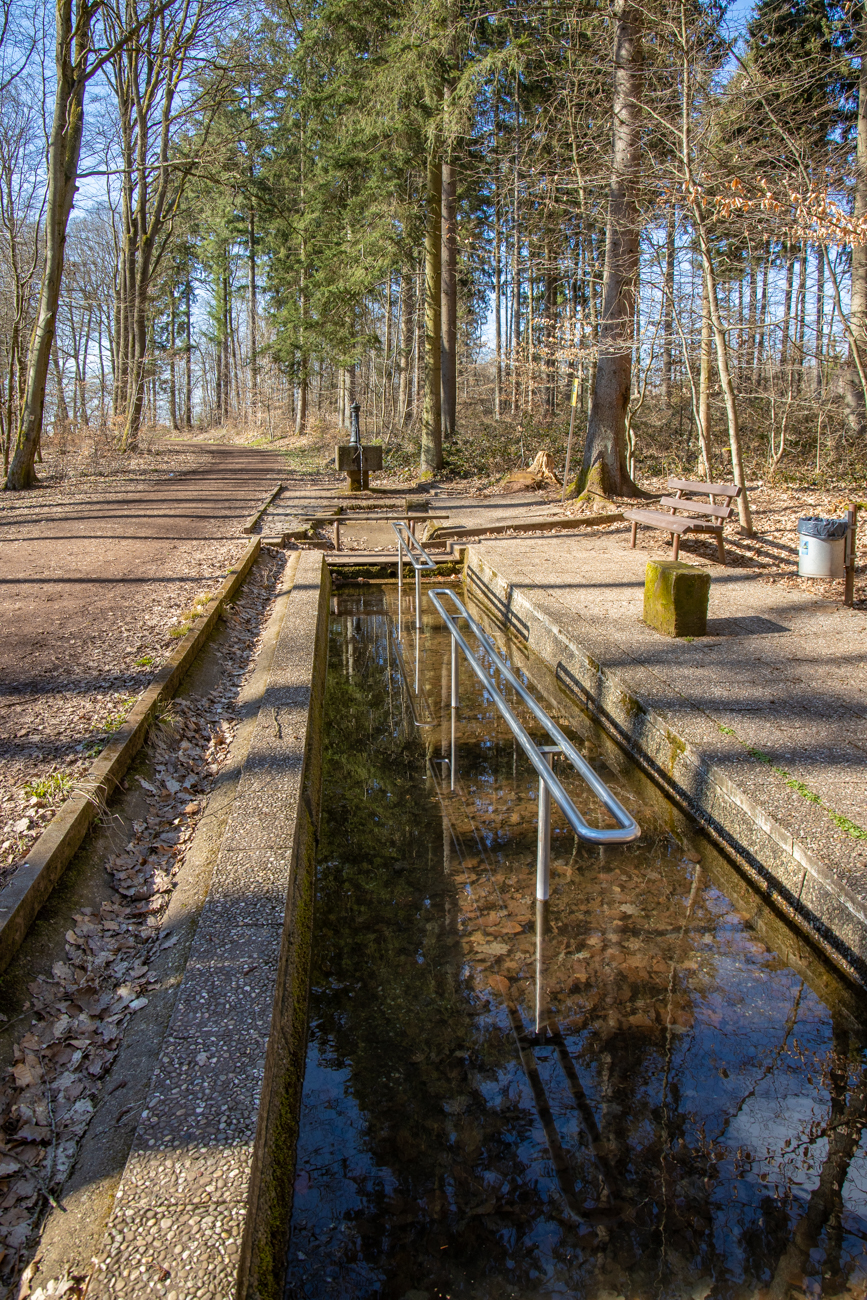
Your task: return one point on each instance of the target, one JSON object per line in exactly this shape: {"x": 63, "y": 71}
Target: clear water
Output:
{"x": 632, "y": 1095}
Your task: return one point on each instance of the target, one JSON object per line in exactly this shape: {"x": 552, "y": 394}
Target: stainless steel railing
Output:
{"x": 540, "y": 756}
{"x": 420, "y": 561}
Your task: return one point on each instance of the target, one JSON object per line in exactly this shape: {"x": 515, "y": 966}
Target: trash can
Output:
{"x": 821, "y": 547}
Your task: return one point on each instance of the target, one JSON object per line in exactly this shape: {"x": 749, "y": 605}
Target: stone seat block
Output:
{"x": 675, "y": 598}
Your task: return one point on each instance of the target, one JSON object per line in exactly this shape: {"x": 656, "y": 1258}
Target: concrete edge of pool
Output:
{"x": 202, "y": 1208}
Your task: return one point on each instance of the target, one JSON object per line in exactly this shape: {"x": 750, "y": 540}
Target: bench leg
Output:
{"x": 675, "y": 539}
{"x": 720, "y": 548}
{"x": 634, "y": 534}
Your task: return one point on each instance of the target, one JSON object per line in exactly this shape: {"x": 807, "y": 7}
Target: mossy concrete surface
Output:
{"x": 676, "y": 597}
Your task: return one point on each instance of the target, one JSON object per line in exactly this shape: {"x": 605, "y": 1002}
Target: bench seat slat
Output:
{"x": 671, "y": 523}
{"x": 696, "y": 507}
{"x": 656, "y": 519}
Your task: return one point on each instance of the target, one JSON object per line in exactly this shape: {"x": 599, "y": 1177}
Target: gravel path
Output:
{"x": 96, "y": 575}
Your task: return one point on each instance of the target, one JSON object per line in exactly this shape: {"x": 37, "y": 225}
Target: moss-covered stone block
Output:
{"x": 675, "y": 598}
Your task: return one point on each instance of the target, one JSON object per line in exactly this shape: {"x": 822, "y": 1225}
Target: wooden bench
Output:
{"x": 683, "y": 501}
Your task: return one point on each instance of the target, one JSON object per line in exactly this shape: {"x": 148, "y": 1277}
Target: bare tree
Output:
{"x": 77, "y": 61}
{"x": 165, "y": 88}
{"x": 22, "y": 199}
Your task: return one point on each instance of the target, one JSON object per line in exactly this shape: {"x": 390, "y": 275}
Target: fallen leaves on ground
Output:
{"x": 773, "y": 551}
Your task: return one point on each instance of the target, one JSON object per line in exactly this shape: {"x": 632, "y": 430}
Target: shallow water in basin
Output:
{"x": 628, "y": 1093}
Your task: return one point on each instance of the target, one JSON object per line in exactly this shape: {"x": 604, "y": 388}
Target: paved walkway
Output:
{"x": 780, "y": 674}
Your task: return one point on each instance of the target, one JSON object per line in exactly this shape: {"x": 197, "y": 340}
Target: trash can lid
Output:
{"x": 828, "y": 529}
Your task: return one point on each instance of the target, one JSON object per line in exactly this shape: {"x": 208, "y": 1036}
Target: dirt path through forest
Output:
{"x": 92, "y": 581}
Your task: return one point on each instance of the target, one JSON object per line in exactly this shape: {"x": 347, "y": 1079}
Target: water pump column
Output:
{"x": 355, "y": 460}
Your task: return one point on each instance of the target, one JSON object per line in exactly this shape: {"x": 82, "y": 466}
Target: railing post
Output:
{"x": 399, "y": 591}
{"x": 541, "y": 927}
{"x": 418, "y": 600}
{"x": 455, "y": 681}
{"x": 543, "y": 850}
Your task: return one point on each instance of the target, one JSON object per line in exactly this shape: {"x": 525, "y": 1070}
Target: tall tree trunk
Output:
{"x": 722, "y": 361}
{"x": 62, "y": 408}
{"x": 449, "y": 361}
{"x": 668, "y": 309}
{"x": 528, "y": 386}
{"x": 498, "y": 287}
{"x": 407, "y": 319}
{"x": 516, "y": 267}
{"x": 741, "y": 348}
{"x": 224, "y": 350}
{"x": 801, "y": 318}
{"x": 188, "y": 355}
{"x": 72, "y": 46}
{"x": 235, "y": 360}
{"x": 418, "y": 339}
{"x": 173, "y": 392}
{"x": 704, "y": 426}
{"x": 787, "y": 306}
{"x": 387, "y": 367}
{"x": 853, "y": 389}
{"x": 751, "y": 322}
{"x": 820, "y": 319}
{"x": 548, "y": 334}
{"x": 138, "y": 357}
{"x": 303, "y": 370}
{"x": 252, "y": 309}
{"x": 763, "y": 315}
{"x": 432, "y": 434}
{"x": 604, "y": 470}
{"x": 594, "y": 328}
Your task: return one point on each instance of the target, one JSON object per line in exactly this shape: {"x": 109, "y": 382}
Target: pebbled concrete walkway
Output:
{"x": 198, "y": 1211}
{"x": 773, "y": 698}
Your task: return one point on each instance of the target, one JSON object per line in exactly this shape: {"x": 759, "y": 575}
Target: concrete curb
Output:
{"x": 809, "y": 893}
{"x": 257, "y": 514}
{"x": 34, "y": 880}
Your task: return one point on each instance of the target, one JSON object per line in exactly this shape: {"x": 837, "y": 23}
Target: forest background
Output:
{"x": 464, "y": 218}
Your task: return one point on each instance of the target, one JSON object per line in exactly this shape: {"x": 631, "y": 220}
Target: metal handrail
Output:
{"x": 627, "y": 828}
{"x": 425, "y": 562}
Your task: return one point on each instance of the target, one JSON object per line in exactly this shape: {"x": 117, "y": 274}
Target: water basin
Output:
{"x": 648, "y": 1087}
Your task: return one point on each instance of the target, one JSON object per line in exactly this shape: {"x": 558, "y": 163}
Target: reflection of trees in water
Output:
{"x": 846, "y": 1121}
{"x": 437, "y": 1077}
{"x": 407, "y": 1034}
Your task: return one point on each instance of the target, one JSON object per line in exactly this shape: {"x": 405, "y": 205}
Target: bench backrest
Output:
{"x": 728, "y": 491}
